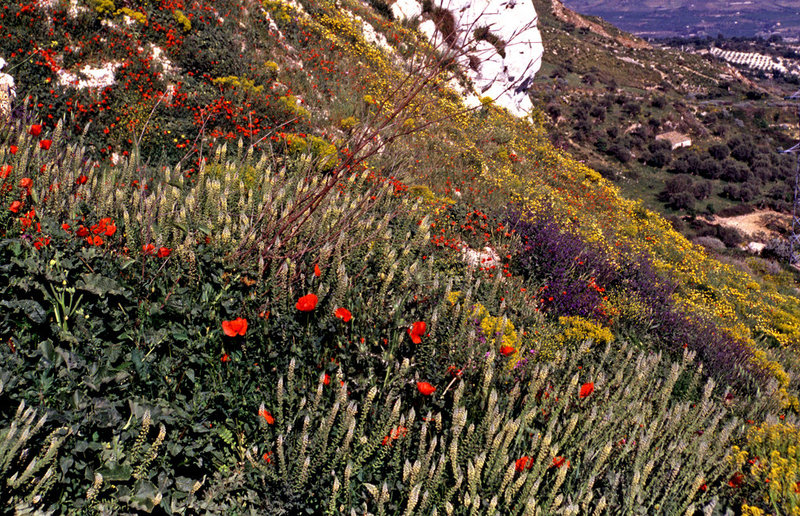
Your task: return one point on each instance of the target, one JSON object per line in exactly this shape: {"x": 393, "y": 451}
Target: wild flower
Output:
{"x": 45, "y": 144}
{"x": 425, "y": 388}
{"x": 343, "y": 314}
{"x": 307, "y": 303}
{"x": 586, "y": 390}
{"x": 417, "y": 331}
{"x": 236, "y": 327}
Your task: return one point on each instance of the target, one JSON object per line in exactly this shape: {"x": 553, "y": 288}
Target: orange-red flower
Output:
{"x": 317, "y": 272}
{"x": 35, "y": 130}
{"x": 425, "y": 388}
{"x": 507, "y": 350}
{"x": 5, "y": 170}
{"x": 26, "y": 183}
{"x": 326, "y": 380}
{"x": 83, "y": 231}
{"x": 307, "y": 303}
{"x": 81, "y": 179}
{"x": 263, "y": 412}
{"x": 343, "y": 314}
{"x": 267, "y": 457}
{"x": 586, "y": 389}
{"x": 417, "y": 331}
{"x": 13, "y": 149}
{"x": 164, "y": 252}
{"x": 559, "y": 461}
{"x": 736, "y": 479}
{"x": 225, "y": 358}
{"x": 524, "y": 462}
{"x": 45, "y": 144}
{"x": 15, "y": 206}
{"x": 235, "y": 327}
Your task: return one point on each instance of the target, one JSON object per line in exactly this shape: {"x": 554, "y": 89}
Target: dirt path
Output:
{"x": 754, "y": 225}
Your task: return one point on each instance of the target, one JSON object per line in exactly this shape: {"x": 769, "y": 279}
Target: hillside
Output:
{"x": 275, "y": 258}
{"x": 610, "y": 103}
{"x": 683, "y": 18}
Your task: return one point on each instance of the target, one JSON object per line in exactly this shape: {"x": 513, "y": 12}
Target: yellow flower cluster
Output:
{"x": 577, "y": 330}
{"x": 244, "y": 83}
{"x": 775, "y": 464}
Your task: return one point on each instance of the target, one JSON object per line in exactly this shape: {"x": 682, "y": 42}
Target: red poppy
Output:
{"x": 317, "y": 272}
{"x": 13, "y": 149}
{"x": 263, "y": 412}
{"x": 235, "y": 327}
{"x": 586, "y": 389}
{"x": 559, "y": 461}
{"x": 81, "y": 179}
{"x": 267, "y": 457}
{"x": 307, "y": 303}
{"x": 736, "y": 480}
{"x": 35, "y": 130}
{"x": 41, "y": 242}
{"x": 703, "y": 487}
{"x": 26, "y": 183}
{"x": 95, "y": 240}
{"x": 326, "y": 380}
{"x": 417, "y": 331}
{"x": 82, "y": 231}
{"x": 524, "y": 462}
{"x": 5, "y": 170}
{"x": 425, "y": 388}
{"x": 45, "y": 144}
{"x": 15, "y": 206}
{"x": 111, "y": 229}
{"x": 164, "y": 252}
{"x": 148, "y": 249}
{"x": 343, "y": 314}
{"x": 65, "y": 226}
{"x": 225, "y": 358}
{"x": 507, "y": 350}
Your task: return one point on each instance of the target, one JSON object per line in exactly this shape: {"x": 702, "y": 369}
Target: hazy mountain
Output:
{"x": 664, "y": 18}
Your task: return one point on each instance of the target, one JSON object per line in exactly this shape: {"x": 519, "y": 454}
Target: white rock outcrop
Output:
{"x": 504, "y": 60}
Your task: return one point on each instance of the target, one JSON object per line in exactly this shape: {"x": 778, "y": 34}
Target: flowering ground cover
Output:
{"x": 235, "y": 280}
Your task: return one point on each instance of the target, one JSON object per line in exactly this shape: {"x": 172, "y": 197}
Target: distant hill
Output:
{"x": 668, "y": 18}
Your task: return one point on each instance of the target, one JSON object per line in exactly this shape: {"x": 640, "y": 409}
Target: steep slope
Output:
{"x": 610, "y": 105}
{"x": 285, "y": 240}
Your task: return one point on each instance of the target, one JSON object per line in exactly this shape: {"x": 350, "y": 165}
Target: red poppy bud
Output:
{"x": 235, "y": 327}
{"x": 317, "y": 272}
{"x": 225, "y": 358}
{"x": 326, "y": 380}
{"x": 307, "y": 303}
{"x": 81, "y": 179}
{"x": 425, "y": 388}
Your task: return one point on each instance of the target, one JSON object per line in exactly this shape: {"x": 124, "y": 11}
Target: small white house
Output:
{"x": 675, "y": 139}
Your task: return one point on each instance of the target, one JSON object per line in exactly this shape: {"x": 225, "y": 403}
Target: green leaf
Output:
{"x": 31, "y": 308}
{"x": 99, "y": 285}
{"x": 113, "y": 472}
